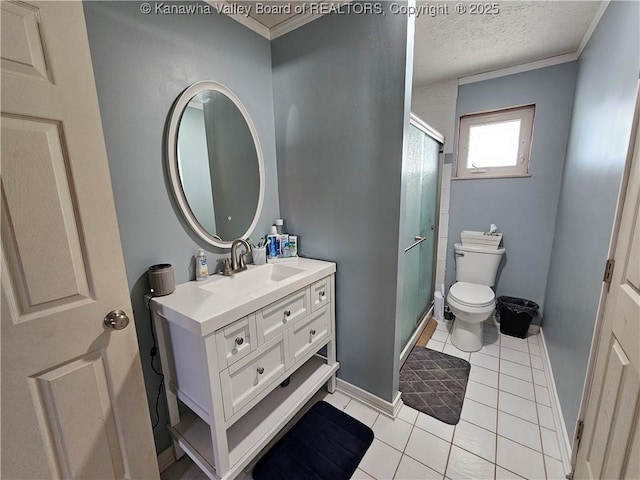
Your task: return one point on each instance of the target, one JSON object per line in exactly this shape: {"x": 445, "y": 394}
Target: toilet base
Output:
{"x": 467, "y": 336}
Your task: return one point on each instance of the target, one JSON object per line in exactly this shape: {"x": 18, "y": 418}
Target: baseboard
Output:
{"x": 415, "y": 336}
{"x": 166, "y": 459}
{"x": 561, "y": 430}
{"x": 371, "y": 400}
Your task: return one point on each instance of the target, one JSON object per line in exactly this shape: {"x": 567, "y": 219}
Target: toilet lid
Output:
{"x": 472, "y": 294}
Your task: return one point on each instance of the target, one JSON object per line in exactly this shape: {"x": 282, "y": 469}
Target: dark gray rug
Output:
{"x": 434, "y": 383}
{"x": 325, "y": 444}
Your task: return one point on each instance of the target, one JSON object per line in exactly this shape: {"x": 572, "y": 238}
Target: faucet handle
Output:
{"x": 242, "y": 261}
{"x": 226, "y": 268}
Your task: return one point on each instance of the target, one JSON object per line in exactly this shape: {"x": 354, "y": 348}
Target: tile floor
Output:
{"x": 506, "y": 429}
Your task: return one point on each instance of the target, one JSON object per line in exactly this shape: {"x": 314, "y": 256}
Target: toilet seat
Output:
{"x": 472, "y": 294}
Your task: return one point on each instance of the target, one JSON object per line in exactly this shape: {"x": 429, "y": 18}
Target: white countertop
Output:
{"x": 202, "y": 312}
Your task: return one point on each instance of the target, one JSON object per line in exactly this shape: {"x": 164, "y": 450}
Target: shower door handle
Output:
{"x": 418, "y": 240}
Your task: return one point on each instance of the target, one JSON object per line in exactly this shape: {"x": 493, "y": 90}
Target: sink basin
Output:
{"x": 204, "y": 307}
{"x": 251, "y": 282}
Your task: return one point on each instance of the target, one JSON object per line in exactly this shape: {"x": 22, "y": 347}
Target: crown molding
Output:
{"x": 524, "y": 67}
{"x": 292, "y": 23}
{"x": 250, "y": 23}
{"x": 592, "y": 26}
{"x": 278, "y": 30}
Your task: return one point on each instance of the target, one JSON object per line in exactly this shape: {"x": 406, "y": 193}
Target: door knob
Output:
{"x": 116, "y": 319}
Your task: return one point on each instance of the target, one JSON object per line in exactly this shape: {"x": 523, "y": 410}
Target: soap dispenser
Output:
{"x": 202, "y": 269}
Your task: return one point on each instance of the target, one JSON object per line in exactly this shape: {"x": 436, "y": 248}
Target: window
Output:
{"x": 495, "y": 144}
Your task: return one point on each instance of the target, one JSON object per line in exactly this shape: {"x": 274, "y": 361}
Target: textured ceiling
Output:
{"x": 449, "y": 46}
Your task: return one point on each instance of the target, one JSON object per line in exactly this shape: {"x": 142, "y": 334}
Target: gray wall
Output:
{"x": 600, "y": 132}
{"x": 339, "y": 93}
{"x": 141, "y": 64}
{"x": 523, "y": 208}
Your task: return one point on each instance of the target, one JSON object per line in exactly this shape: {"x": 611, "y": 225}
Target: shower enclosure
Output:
{"x": 418, "y": 227}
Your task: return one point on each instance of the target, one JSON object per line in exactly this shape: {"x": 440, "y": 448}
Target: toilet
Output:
{"x": 471, "y": 298}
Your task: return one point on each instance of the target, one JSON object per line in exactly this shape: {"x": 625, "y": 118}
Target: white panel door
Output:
{"x": 73, "y": 397}
{"x": 610, "y": 445}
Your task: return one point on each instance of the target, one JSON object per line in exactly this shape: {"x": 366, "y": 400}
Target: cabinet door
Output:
{"x": 248, "y": 377}
{"x": 272, "y": 320}
{"x": 306, "y": 335}
{"x": 320, "y": 294}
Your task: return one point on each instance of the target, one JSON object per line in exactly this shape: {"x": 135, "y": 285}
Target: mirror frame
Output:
{"x": 172, "y": 158}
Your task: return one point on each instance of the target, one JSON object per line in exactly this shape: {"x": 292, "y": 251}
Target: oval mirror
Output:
{"x": 215, "y": 163}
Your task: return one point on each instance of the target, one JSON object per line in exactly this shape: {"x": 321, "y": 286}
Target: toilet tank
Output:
{"x": 477, "y": 264}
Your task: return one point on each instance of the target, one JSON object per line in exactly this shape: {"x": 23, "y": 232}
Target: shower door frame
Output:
{"x": 422, "y": 322}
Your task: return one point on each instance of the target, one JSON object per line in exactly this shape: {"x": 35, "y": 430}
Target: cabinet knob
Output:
{"x": 260, "y": 370}
{"x": 239, "y": 341}
{"x": 322, "y": 293}
{"x": 313, "y": 332}
{"x": 287, "y": 313}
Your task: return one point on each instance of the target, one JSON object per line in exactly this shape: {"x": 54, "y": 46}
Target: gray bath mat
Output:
{"x": 434, "y": 383}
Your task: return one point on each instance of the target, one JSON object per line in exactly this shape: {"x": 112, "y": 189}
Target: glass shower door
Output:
{"x": 419, "y": 234}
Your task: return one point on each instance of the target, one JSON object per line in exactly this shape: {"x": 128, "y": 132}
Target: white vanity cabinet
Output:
{"x": 226, "y": 347}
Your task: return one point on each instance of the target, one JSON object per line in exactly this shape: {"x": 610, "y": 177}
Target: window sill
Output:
{"x": 482, "y": 177}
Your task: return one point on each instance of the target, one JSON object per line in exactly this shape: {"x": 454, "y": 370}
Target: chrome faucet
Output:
{"x": 237, "y": 262}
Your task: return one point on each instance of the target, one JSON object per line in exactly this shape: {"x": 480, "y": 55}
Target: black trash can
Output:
{"x": 516, "y": 315}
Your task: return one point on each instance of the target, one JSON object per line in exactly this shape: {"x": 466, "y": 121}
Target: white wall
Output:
{"x": 436, "y": 105}
{"x": 443, "y": 226}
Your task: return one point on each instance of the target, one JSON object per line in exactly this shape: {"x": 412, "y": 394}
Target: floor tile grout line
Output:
{"x": 519, "y": 364}
{"x": 520, "y": 396}
{"x": 520, "y": 418}
{"x": 516, "y": 350}
{"x": 422, "y": 463}
{"x": 507, "y": 391}
{"x": 402, "y": 454}
{"x": 403, "y": 451}
{"x": 405, "y": 446}
{"x": 510, "y": 471}
{"x": 446, "y": 465}
{"x": 472, "y": 453}
{"x": 474, "y": 424}
{"x": 461, "y": 419}
{"x": 523, "y": 445}
{"x": 478, "y": 401}
{"x": 535, "y": 396}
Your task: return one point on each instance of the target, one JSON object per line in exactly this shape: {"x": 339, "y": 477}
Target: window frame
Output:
{"x": 524, "y": 113}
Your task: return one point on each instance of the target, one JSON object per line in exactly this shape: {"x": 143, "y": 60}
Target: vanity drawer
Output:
{"x": 308, "y": 333}
{"x": 236, "y": 341}
{"x": 320, "y": 294}
{"x": 272, "y": 320}
{"x": 244, "y": 380}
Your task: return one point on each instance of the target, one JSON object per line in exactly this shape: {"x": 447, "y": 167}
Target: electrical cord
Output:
{"x": 153, "y": 353}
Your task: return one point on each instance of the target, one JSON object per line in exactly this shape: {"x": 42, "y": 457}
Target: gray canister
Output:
{"x": 161, "y": 279}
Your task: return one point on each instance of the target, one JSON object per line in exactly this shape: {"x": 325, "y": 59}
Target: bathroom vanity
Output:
{"x": 227, "y": 345}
